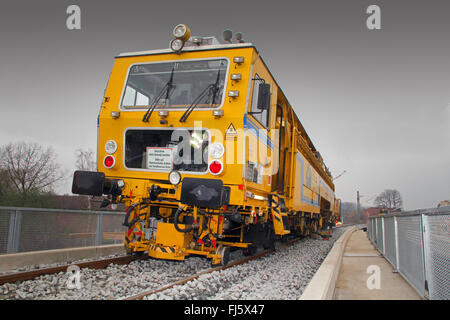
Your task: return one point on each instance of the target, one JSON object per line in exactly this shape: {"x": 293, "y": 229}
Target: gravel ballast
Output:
{"x": 283, "y": 275}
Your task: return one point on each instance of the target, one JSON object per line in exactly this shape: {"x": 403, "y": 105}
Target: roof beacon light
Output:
{"x": 238, "y": 37}
{"x": 227, "y": 35}
{"x": 182, "y": 32}
{"x": 176, "y": 45}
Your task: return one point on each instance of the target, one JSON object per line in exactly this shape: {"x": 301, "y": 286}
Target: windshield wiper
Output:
{"x": 214, "y": 88}
{"x": 166, "y": 89}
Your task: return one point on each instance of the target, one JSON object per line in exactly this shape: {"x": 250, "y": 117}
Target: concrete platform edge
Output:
{"x": 321, "y": 286}
{"x": 24, "y": 259}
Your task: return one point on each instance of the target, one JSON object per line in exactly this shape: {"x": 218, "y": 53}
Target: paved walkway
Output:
{"x": 352, "y": 282}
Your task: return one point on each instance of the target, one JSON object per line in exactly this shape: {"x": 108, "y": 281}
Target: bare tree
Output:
{"x": 5, "y": 184}
{"x": 389, "y": 198}
{"x": 85, "y": 160}
{"x": 29, "y": 167}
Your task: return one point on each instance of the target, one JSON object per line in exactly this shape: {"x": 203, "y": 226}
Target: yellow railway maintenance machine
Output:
{"x": 207, "y": 154}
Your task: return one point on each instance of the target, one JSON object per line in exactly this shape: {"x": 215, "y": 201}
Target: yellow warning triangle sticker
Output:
{"x": 231, "y": 130}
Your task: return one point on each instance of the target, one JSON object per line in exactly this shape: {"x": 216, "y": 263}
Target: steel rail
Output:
{"x": 95, "y": 264}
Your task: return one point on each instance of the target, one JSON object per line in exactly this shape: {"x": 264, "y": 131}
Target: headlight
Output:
{"x": 216, "y": 150}
{"x": 176, "y": 45}
{"x": 182, "y": 32}
{"x": 174, "y": 177}
{"x": 110, "y": 146}
{"x": 120, "y": 184}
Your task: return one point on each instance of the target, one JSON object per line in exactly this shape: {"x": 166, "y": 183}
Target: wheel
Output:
{"x": 225, "y": 253}
{"x": 269, "y": 241}
{"x": 249, "y": 251}
{"x": 138, "y": 253}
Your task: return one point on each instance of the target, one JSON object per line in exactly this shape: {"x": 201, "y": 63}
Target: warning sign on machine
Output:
{"x": 159, "y": 159}
{"x": 231, "y": 132}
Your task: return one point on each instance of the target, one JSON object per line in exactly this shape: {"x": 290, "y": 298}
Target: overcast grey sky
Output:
{"x": 375, "y": 103}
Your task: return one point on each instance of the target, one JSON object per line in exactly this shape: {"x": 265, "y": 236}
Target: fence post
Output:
{"x": 384, "y": 236}
{"x": 424, "y": 253}
{"x": 397, "y": 262}
{"x": 99, "y": 231}
{"x": 15, "y": 221}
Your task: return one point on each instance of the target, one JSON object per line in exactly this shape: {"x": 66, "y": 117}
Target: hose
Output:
{"x": 175, "y": 222}
{"x": 127, "y": 215}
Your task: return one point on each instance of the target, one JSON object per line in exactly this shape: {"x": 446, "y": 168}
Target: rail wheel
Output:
{"x": 224, "y": 253}
{"x": 250, "y": 250}
{"x": 225, "y": 256}
{"x": 269, "y": 241}
{"x": 130, "y": 252}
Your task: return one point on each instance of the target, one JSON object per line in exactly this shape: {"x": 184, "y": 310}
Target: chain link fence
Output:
{"x": 31, "y": 229}
{"x": 417, "y": 244}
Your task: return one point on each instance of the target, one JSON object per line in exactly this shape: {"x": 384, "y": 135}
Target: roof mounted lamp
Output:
{"x": 238, "y": 37}
{"x": 181, "y": 33}
{"x": 227, "y": 35}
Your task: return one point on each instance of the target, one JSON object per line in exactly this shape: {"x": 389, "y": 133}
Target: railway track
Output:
{"x": 135, "y": 278}
{"x": 191, "y": 278}
{"x": 95, "y": 264}
{"x": 187, "y": 279}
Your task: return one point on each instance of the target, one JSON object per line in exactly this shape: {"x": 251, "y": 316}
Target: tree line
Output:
{"x": 30, "y": 172}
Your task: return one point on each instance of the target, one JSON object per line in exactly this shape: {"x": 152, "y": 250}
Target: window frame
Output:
{"x": 144, "y": 108}
{"x": 164, "y": 128}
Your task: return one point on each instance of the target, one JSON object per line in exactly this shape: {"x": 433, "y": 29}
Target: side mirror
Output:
{"x": 263, "y": 96}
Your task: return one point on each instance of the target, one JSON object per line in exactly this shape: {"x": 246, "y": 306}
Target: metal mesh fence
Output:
{"x": 113, "y": 229}
{"x": 374, "y": 230}
{"x": 380, "y": 239}
{"x": 417, "y": 244}
{"x": 389, "y": 240}
{"x": 437, "y": 249}
{"x": 410, "y": 251}
{"x": 55, "y": 230}
{"x": 29, "y": 229}
{"x": 4, "y": 230}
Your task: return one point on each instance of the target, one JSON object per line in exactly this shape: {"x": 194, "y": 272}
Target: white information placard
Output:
{"x": 159, "y": 159}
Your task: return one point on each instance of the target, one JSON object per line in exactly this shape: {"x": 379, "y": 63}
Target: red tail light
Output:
{"x": 216, "y": 167}
{"x": 109, "y": 161}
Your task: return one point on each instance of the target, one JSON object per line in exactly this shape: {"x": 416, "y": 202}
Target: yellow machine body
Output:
{"x": 274, "y": 180}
